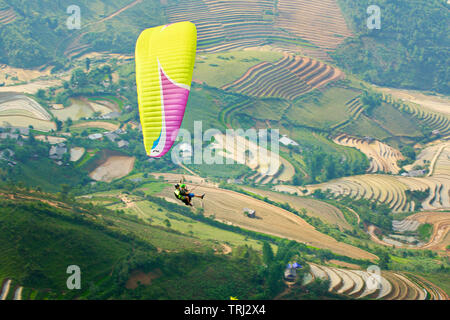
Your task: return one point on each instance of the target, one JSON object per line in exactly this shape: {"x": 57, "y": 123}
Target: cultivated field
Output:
{"x": 76, "y": 154}
{"x": 219, "y": 69}
{"x": 18, "y": 110}
{"x": 383, "y": 158}
{"x": 288, "y": 78}
{"x": 319, "y": 22}
{"x": 440, "y": 220}
{"x": 115, "y": 167}
{"x": 437, "y": 103}
{"x": 84, "y": 108}
{"x": 97, "y": 124}
{"x": 230, "y": 25}
{"x": 7, "y": 16}
{"x": 314, "y": 208}
{"x": 227, "y": 206}
{"x": 439, "y": 121}
{"x": 359, "y": 284}
{"x": 268, "y": 167}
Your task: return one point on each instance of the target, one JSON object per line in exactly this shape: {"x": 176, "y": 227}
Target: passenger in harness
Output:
{"x": 182, "y": 193}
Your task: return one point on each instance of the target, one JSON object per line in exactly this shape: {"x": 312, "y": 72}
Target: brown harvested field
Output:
{"x": 437, "y": 103}
{"x": 288, "y": 78}
{"x": 7, "y": 15}
{"x": 32, "y": 87}
{"x": 440, "y": 220}
{"x": 21, "y": 74}
{"x": 314, "y": 208}
{"x": 344, "y": 264}
{"x": 115, "y": 167}
{"x": 440, "y": 237}
{"x": 319, "y": 22}
{"x": 97, "y": 124}
{"x": 227, "y": 206}
{"x": 382, "y": 157}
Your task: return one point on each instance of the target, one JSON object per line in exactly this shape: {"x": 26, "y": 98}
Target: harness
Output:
{"x": 178, "y": 194}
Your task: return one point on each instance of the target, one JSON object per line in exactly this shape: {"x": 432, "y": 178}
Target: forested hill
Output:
{"x": 410, "y": 50}
{"x": 34, "y": 33}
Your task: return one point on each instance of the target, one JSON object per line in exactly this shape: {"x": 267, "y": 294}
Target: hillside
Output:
{"x": 409, "y": 50}
{"x": 41, "y": 238}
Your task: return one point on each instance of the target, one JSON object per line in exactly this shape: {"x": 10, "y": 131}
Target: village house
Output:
{"x": 111, "y": 136}
{"x": 95, "y": 136}
{"x": 123, "y": 144}
{"x": 415, "y": 173}
{"x": 58, "y": 151}
{"x": 111, "y": 115}
{"x": 6, "y": 135}
{"x": 287, "y": 141}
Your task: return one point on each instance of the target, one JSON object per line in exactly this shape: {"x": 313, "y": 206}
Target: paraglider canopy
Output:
{"x": 165, "y": 58}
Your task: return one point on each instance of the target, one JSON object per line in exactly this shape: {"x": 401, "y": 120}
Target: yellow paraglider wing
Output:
{"x": 165, "y": 58}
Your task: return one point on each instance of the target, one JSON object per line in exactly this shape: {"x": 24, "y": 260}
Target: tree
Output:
{"x": 79, "y": 79}
{"x": 267, "y": 253}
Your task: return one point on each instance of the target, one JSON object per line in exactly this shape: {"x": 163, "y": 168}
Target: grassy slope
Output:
{"x": 219, "y": 69}
{"x": 39, "y": 241}
{"x": 322, "y": 111}
{"x": 38, "y": 244}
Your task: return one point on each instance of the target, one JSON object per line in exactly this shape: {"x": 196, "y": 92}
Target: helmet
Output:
{"x": 177, "y": 186}
{"x": 183, "y": 185}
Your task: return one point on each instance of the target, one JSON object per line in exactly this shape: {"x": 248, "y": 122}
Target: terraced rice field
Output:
{"x": 358, "y": 284}
{"x": 268, "y": 167}
{"x": 383, "y": 158}
{"x": 7, "y": 16}
{"x": 354, "y": 109}
{"x": 390, "y": 189}
{"x": 436, "y": 102}
{"x": 227, "y": 206}
{"x": 427, "y": 155}
{"x": 289, "y": 78}
{"x": 225, "y": 25}
{"x": 18, "y": 110}
{"x": 319, "y": 22}
{"x": 433, "y": 119}
{"x": 83, "y": 108}
{"x": 441, "y": 227}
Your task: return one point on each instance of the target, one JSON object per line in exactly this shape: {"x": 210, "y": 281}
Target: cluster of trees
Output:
{"x": 371, "y": 99}
{"x": 371, "y": 212}
{"x": 39, "y": 35}
{"x": 410, "y": 50}
{"x": 322, "y": 166}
